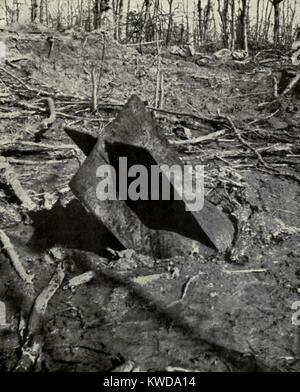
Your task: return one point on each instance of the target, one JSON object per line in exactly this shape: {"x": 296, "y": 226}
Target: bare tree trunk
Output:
{"x": 187, "y": 23}
{"x": 223, "y": 12}
{"x": 107, "y": 17}
{"x": 181, "y": 40}
{"x": 261, "y": 19}
{"x": 156, "y": 25}
{"x": 268, "y": 24}
{"x": 276, "y": 22}
{"x": 148, "y": 4}
{"x": 97, "y": 14}
{"x": 71, "y": 14}
{"x": 170, "y": 22}
{"x": 291, "y": 22}
{"x": 103, "y": 7}
{"x": 233, "y": 26}
{"x": 120, "y": 20}
{"x": 264, "y": 20}
{"x": 195, "y": 28}
{"x": 257, "y": 20}
{"x": 42, "y": 11}
{"x": 115, "y": 7}
{"x": 34, "y": 10}
{"x": 206, "y": 23}
{"x": 276, "y": 7}
{"x": 16, "y": 6}
{"x": 200, "y": 20}
{"x": 88, "y": 24}
{"x": 127, "y": 18}
{"x": 6, "y": 12}
{"x": 59, "y": 23}
{"x": 47, "y": 12}
{"x": 244, "y": 22}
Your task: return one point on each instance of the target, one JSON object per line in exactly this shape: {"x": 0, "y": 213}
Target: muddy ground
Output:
{"x": 203, "y": 312}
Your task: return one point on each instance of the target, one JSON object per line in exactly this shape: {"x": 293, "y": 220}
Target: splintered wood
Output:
{"x": 11, "y": 180}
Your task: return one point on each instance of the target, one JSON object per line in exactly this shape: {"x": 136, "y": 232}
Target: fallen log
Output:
{"x": 8, "y": 145}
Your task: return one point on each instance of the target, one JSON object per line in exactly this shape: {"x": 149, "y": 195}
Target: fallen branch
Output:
{"x": 4, "y": 144}
{"x": 15, "y": 77}
{"x": 37, "y": 163}
{"x": 94, "y": 89}
{"x": 15, "y": 186}
{"x": 183, "y": 114}
{"x": 14, "y": 258}
{"x": 188, "y": 283}
{"x": 144, "y": 43}
{"x": 260, "y": 158}
{"x": 13, "y": 115}
{"x": 30, "y": 106}
{"x": 118, "y": 106}
{"x": 248, "y": 145}
{"x": 200, "y": 139}
{"x": 32, "y": 346}
{"x": 278, "y": 173}
{"x": 35, "y": 90}
{"x": 17, "y": 59}
{"x": 246, "y": 95}
{"x": 292, "y": 84}
{"x": 158, "y": 76}
{"x": 275, "y": 83}
{"x": 249, "y": 271}
{"x": 79, "y": 280}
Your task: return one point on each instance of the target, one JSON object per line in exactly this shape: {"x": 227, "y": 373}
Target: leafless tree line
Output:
{"x": 238, "y": 24}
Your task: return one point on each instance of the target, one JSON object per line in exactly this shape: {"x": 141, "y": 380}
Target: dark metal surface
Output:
{"x": 159, "y": 228}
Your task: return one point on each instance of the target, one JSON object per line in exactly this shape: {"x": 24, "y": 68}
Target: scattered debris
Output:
{"x": 249, "y": 271}
{"x": 131, "y": 309}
